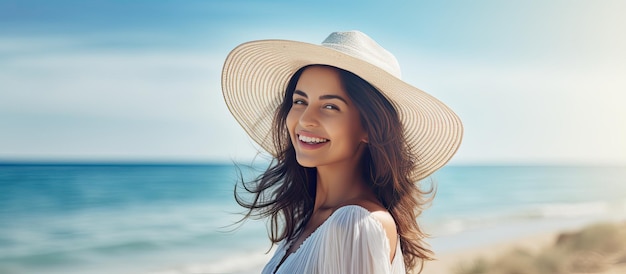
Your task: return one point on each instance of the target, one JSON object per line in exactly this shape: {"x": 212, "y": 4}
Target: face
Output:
{"x": 324, "y": 125}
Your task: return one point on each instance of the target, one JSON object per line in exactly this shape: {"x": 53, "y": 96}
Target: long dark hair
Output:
{"x": 285, "y": 192}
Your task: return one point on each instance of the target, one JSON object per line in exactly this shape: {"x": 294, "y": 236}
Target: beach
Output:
{"x": 452, "y": 261}
{"x": 464, "y": 249}
{"x": 180, "y": 219}
{"x": 447, "y": 261}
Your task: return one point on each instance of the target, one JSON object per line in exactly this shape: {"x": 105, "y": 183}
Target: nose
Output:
{"x": 309, "y": 118}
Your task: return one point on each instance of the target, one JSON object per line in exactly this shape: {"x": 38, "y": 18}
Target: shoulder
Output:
{"x": 353, "y": 241}
{"x": 373, "y": 232}
{"x": 388, "y": 223}
{"x": 372, "y": 216}
{"x": 355, "y": 223}
{"x": 380, "y": 214}
{"x": 351, "y": 215}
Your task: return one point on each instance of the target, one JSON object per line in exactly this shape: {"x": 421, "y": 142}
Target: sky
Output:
{"x": 534, "y": 82}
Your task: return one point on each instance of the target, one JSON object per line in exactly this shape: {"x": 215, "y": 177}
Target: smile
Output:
{"x": 311, "y": 140}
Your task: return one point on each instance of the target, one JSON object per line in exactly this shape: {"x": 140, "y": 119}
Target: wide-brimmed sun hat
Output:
{"x": 256, "y": 73}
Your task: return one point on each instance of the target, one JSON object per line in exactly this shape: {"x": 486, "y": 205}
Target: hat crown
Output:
{"x": 361, "y": 46}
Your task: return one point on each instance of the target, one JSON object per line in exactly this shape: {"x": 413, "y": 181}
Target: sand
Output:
{"x": 446, "y": 262}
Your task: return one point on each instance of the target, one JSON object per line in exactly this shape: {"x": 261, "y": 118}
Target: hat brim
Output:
{"x": 255, "y": 77}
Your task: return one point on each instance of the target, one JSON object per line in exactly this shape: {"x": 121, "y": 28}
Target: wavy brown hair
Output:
{"x": 285, "y": 192}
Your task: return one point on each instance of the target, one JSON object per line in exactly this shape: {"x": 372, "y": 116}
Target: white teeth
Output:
{"x": 314, "y": 140}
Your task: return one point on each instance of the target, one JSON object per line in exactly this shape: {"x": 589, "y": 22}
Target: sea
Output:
{"x": 182, "y": 218}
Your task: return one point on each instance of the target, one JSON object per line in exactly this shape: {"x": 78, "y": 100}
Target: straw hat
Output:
{"x": 255, "y": 77}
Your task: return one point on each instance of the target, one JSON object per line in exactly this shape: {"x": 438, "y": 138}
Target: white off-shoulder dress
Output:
{"x": 349, "y": 241}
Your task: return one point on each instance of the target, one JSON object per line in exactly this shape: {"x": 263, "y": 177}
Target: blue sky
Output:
{"x": 533, "y": 82}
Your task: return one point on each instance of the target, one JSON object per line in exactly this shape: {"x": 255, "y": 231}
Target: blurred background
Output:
{"x": 117, "y": 151}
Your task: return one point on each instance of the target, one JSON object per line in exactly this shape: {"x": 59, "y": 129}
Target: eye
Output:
{"x": 299, "y": 102}
{"x": 330, "y": 106}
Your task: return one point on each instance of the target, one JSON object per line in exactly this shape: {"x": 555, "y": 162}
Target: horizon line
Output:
{"x": 161, "y": 162}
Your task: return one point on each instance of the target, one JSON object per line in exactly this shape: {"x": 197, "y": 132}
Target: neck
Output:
{"x": 338, "y": 185}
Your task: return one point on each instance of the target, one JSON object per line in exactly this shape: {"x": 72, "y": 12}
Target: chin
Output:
{"x": 306, "y": 162}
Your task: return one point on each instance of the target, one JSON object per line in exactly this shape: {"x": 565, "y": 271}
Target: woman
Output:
{"x": 350, "y": 141}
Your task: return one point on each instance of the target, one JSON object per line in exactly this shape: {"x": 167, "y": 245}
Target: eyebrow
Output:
{"x": 323, "y": 97}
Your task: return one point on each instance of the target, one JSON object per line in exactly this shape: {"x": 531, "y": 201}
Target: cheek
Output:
{"x": 356, "y": 129}
{"x": 291, "y": 121}
{"x": 348, "y": 132}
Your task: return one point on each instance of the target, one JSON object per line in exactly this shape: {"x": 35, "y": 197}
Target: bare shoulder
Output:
{"x": 376, "y": 210}
{"x": 384, "y": 217}
{"x": 379, "y": 213}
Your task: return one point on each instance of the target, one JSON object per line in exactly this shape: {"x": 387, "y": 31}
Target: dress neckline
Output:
{"x": 286, "y": 247}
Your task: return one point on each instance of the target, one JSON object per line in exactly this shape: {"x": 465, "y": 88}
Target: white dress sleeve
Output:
{"x": 355, "y": 242}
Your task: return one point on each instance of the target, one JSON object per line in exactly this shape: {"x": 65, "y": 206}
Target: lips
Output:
{"x": 311, "y": 140}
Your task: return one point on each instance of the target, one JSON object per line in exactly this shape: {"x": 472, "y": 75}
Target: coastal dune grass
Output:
{"x": 594, "y": 249}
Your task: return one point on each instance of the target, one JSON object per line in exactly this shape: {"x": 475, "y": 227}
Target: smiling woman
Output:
{"x": 318, "y": 123}
{"x": 350, "y": 141}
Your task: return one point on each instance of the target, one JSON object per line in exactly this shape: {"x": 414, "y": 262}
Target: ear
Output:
{"x": 365, "y": 139}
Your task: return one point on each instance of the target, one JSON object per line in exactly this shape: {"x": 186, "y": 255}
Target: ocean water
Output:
{"x": 60, "y": 218}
